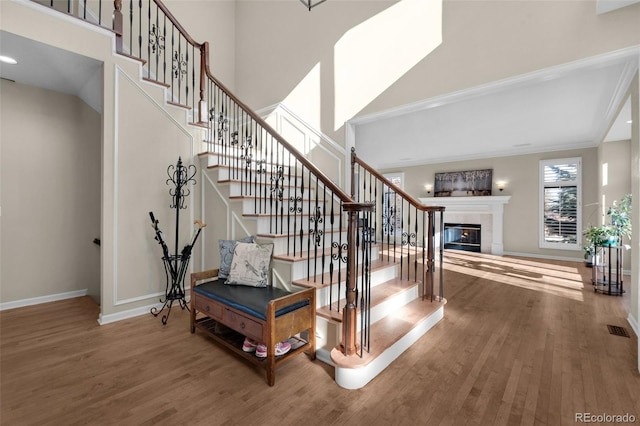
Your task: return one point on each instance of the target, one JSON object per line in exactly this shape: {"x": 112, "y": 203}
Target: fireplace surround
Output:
{"x": 485, "y": 210}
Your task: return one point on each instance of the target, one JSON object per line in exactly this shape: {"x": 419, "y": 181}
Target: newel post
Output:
{"x": 353, "y": 172}
{"x": 117, "y": 24}
{"x": 203, "y": 110}
{"x": 349, "y": 313}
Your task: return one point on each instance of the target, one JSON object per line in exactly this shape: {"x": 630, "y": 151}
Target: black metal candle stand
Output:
{"x": 175, "y": 265}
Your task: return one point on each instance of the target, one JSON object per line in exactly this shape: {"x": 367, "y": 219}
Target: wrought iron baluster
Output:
{"x": 193, "y": 82}
{"x": 130, "y": 26}
{"x": 441, "y": 245}
{"x": 149, "y": 43}
{"x": 301, "y": 231}
{"x": 324, "y": 230}
{"x": 332, "y": 220}
{"x": 164, "y": 52}
{"x": 140, "y": 29}
{"x": 415, "y": 258}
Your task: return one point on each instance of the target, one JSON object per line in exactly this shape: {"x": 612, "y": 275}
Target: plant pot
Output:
{"x": 591, "y": 260}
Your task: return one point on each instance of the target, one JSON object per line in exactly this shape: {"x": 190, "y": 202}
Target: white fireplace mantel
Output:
{"x": 493, "y": 205}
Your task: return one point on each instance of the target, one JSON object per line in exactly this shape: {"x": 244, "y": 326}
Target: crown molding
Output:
{"x": 621, "y": 55}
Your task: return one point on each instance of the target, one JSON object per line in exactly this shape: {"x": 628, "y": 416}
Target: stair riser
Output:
{"x": 378, "y": 277}
{"x": 238, "y": 189}
{"x": 299, "y": 269}
{"x": 283, "y": 224}
{"x": 329, "y": 333}
{"x": 224, "y": 173}
{"x": 286, "y": 207}
{"x": 227, "y": 160}
{"x": 280, "y": 243}
{"x": 391, "y": 305}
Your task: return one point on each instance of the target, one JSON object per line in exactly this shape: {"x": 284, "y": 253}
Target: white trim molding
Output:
{"x": 42, "y": 299}
{"x": 634, "y": 324}
{"x": 130, "y": 313}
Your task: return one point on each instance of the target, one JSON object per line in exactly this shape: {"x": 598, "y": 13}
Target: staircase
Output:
{"x": 307, "y": 256}
{"x": 369, "y": 253}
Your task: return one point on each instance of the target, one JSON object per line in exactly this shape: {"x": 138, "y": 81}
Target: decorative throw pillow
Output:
{"x": 226, "y": 254}
{"x": 251, "y": 265}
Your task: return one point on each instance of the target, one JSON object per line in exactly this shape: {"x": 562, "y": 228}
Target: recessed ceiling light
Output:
{"x": 630, "y": 121}
{"x": 8, "y": 60}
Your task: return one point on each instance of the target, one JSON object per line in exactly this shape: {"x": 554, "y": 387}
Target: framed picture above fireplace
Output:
{"x": 463, "y": 184}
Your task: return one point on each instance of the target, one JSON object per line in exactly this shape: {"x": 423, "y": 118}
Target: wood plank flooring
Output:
{"x": 523, "y": 342}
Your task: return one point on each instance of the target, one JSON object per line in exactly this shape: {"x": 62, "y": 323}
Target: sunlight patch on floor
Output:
{"x": 537, "y": 276}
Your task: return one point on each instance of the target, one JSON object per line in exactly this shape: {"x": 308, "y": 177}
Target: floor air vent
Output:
{"x": 618, "y": 331}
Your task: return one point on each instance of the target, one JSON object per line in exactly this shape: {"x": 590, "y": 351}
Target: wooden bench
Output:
{"x": 265, "y": 314}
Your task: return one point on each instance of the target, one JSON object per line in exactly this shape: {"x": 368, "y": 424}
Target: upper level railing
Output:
{"x": 321, "y": 223}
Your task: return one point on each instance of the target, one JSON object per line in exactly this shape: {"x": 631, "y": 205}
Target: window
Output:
{"x": 392, "y": 206}
{"x": 560, "y": 201}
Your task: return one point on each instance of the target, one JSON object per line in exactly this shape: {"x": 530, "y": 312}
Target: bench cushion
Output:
{"x": 251, "y": 300}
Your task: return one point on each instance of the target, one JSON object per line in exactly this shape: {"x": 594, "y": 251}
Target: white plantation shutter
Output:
{"x": 560, "y": 222}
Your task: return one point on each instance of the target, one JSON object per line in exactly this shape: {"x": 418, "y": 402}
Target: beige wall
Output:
{"x": 278, "y": 43}
{"x": 215, "y": 22}
{"x": 634, "y": 309}
{"x": 140, "y": 136}
{"x": 521, "y": 215}
{"x": 614, "y": 182}
{"x": 50, "y": 178}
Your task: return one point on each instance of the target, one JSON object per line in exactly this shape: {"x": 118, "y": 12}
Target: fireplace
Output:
{"x": 462, "y": 236}
{"x": 487, "y": 211}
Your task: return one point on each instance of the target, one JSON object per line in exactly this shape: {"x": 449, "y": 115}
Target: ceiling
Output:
{"x": 569, "y": 106}
{"x": 51, "y": 68}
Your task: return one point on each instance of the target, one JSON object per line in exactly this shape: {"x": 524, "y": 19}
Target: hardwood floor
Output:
{"x": 523, "y": 341}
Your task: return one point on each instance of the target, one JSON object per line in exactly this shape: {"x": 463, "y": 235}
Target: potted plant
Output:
{"x": 620, "y": 218}
{"x": 611, "y": 234}
{"x": 594, "y": 236}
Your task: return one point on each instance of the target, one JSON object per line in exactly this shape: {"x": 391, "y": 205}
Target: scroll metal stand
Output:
{"x": 175, "y": 265}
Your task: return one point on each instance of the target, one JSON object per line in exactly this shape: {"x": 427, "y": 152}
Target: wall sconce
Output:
{"x": 428, "y": 187}
{"x": 501, "y": 185}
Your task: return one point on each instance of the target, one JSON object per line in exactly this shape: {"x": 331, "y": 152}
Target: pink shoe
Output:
{"x": 249, "y": 345}
{"x": 281, "y": 349}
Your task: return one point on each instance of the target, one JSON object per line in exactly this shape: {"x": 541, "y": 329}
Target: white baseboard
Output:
{"x": 542, "y": 256}
{"x": 130, "y": 313}
{"x": 634, "y": 324}
{"x": 42, "y": 299}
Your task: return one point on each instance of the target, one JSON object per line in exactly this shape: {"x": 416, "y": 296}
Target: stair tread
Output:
{"x": 379, "y": 294}
{"x": 389, "y": 330}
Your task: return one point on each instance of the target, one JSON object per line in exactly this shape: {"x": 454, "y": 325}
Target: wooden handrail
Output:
{"x": 415, "y": 203}
{"x": 302, "y": 159}
{"x": 175, "y": 22}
